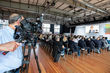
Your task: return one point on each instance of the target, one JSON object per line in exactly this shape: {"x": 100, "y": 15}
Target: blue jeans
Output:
{"x": 98, "y": 50}
{"x": 63, "y": 52}
{"x": 77, "y": 50}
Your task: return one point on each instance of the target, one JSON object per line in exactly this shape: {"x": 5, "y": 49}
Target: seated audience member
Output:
{"x": 108, "y": 41}
{"x": 65, "y": 43}
{"x": 105, "y": 43}
{"x": 58, "y": 49}
{"x": 76, "y": 39}
{"x": 74, "y": 46}
{"x": 93, "y": 39}
{"x": 82, "y": 45}
{"x": 102, "y": 43}
{"x": 98, "y": 44}
{"x": 90, "y": 44}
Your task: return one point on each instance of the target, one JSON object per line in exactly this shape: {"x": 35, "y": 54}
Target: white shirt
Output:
{"x": 76, "y": 40}
{"x": 11, "y": 60}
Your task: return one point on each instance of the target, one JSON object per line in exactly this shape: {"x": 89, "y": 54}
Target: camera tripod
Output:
{"x": 26, "y": 59}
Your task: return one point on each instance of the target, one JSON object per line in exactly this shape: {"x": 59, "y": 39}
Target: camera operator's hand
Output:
{"x": 9, "y": 46}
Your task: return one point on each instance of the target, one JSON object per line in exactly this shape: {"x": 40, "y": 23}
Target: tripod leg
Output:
{"x": 23, "y": 58}
{"x": 36, "y": 58}
{"x": 28, "y": 59}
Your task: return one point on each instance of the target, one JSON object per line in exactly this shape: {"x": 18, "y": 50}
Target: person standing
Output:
{"x": 11, "y": 60}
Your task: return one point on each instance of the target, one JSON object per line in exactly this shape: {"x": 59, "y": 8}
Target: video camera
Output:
{"x": 27, "y": 31}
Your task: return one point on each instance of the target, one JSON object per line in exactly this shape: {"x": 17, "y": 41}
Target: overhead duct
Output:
{"x": 104, "y": 19}
{"x": 92, "y": 6}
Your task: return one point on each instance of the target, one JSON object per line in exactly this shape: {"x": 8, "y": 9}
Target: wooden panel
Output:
{"x": 93, "y": 63}
{"x": 40, "y": 2}
{"x": 58, "y": 4}
{"x": 24, "y": 1}
{"x": 63, "y": 6}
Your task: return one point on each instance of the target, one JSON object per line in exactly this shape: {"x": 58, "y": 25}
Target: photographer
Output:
{"x": 13, "y": 59}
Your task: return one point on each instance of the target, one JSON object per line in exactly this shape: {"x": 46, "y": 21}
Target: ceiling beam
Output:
{"x": 44, "y": 3}
{"x": 85, "y": 5}
{"x": 59, "y": 6}
{"x": 98, "y": 2}
{"x": 28, "y": 3}
{"x": 32, "y": 9}
{"x": 90, "y": 6}
{"x": 53, "y": 11}
{"x": 37, "y": 2}
{"x": 104, "y": 4}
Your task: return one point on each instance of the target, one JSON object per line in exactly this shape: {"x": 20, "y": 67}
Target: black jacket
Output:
{"x": 73, "y": 45}
{"x": 57, "y": 48}
{"x": 65, "y": 43}
{"x": 82, "y": 43}
{"x": 98, "y": 43}
{"x": 90, "y": 44}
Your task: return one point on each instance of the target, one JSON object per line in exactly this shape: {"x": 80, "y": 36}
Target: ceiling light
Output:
{"x": 42, "y": 14}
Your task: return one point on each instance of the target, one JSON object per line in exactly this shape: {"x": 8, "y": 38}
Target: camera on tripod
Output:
{"x": 26, "y": 33}
{"x": 28, "y": 29}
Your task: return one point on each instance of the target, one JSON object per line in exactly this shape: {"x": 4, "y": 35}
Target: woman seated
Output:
{"x": 65, "y": 43}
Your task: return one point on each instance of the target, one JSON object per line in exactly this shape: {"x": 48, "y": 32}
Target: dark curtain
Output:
{"x": 66, "y": 29}
{"x": 52, "y": 28}
{"x": 61, "y": 29}
{"x": 73, "y": 29}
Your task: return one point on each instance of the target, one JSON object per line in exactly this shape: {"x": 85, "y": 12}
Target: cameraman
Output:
{"x": 13, "y": 59}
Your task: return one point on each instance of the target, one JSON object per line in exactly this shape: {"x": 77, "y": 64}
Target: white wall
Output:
{"x": 80, "y": 30}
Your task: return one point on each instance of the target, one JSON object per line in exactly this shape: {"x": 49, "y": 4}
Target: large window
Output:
{"x": 56, "y": 29}
{"x": 46, "y": 28}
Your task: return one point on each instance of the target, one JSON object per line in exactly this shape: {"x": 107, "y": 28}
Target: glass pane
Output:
{"x": 56, "y": 26}
{"x": 57, "y": 30}
{"x": 46, "y": 25}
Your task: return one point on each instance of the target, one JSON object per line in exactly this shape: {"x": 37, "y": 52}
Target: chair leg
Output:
{"x": 72, "y": 55}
